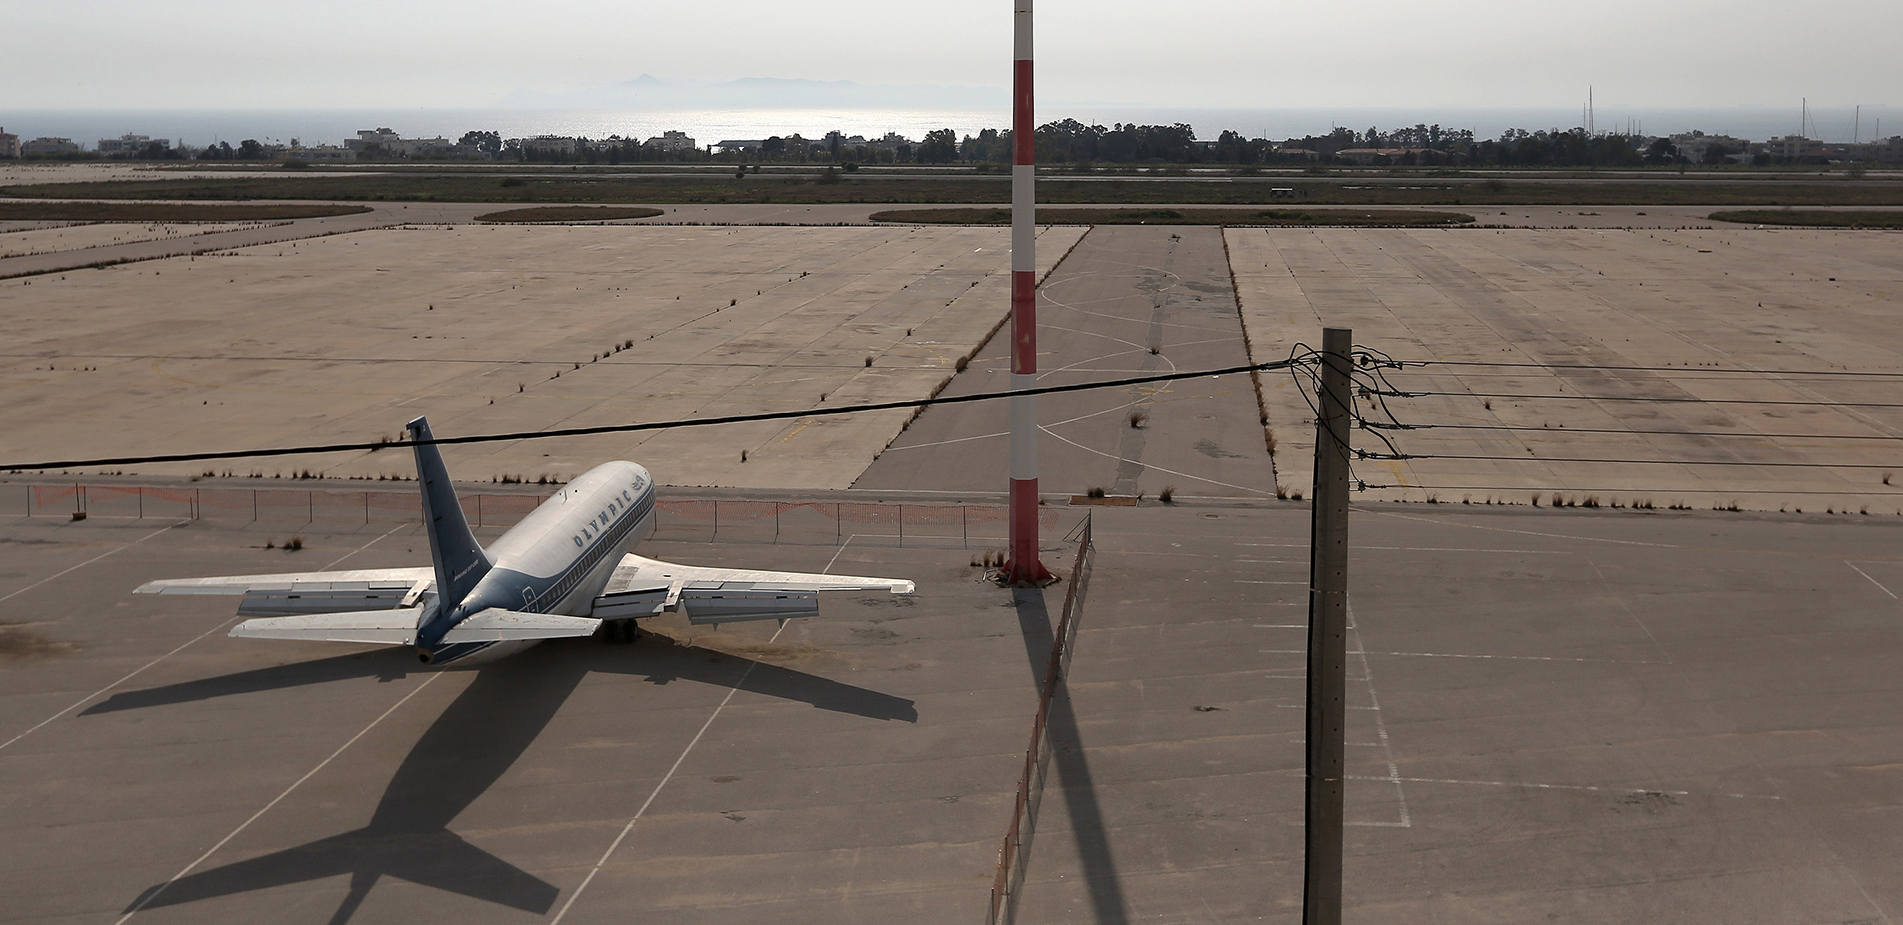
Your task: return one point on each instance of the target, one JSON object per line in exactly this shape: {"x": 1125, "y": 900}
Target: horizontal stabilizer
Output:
{"x": 373, "y": 627}
{"x": 498, "y": 625}
{"x": 265, "y": 602}
{"x": 363, "y": 579}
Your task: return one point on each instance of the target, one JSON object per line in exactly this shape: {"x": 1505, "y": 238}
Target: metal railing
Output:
{"x": 1013, "y": 855}
{"x": 736, "y": 520}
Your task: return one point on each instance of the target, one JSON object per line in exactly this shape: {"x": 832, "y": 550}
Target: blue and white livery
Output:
{"x": 562, "y": 571}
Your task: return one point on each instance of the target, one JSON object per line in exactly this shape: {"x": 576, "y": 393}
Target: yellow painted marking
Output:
{"x": 796, "y": 430}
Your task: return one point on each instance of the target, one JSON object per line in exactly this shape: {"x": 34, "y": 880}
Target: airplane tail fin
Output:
{"x": 460, "y": 561}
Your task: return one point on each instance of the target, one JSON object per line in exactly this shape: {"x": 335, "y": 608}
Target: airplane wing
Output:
{"x": 643, "y": 587}
{"x": 641, "y": 571}
{"x": 296, "y": 593}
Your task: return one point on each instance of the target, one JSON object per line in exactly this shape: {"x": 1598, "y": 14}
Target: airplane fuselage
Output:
{"x": 556, "y": 560}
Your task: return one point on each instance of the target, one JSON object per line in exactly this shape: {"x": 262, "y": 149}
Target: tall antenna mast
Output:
{"x": 1022, "y": 565}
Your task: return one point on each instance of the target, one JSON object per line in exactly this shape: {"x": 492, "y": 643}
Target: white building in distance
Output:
{"x": 390, "y": 144}
{"x": 550, "y": 144}
{"x": 49, "y": 147}
{"x": 129, "y": 145}
{"x": 671, "y": 141}
{"x": 1694, "y": 146}
{"x": 9, "y": 144}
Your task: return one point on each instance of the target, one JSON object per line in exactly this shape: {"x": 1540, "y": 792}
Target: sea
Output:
{"x": 199, "y": 127}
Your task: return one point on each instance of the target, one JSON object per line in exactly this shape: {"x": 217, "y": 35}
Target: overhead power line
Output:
{"x": 1296, "y": 359}
{"x": 1655, "y": 369}
{"x": 1615, "y": 430}
{"x": 1366, "y": 454}
{"x": 1646, "y": 398}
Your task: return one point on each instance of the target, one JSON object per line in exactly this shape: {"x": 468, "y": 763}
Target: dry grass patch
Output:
{"x": 32, "y": 211}
{"x": 569, "y": 214}
{"x": 1364, "y": 218}
{"x": 1811, "y": 218}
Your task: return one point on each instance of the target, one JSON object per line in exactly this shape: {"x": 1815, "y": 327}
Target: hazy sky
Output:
{"x": 123, "y": 54}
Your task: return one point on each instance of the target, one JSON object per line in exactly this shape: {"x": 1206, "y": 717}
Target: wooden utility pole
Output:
{"x": 1327, "y": 637}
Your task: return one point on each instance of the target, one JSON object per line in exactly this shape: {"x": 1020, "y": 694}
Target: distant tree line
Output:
{"x": 249, "y": 149}
{"x": 1071, "y": 142}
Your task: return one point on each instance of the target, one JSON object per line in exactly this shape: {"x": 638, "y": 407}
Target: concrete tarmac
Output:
{"x": 1729, "y": 366}
{"x": 1573, "y": 716}
{"x": 1556, "y": 716}
{"x": 854, "y": 768}
{"x": 1128, "y": 301}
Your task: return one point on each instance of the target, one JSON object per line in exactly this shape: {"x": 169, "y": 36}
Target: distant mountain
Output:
{"x": 650, "y": 92}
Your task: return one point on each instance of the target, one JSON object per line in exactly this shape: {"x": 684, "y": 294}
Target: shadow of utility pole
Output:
{"x": 1073, "y": 767}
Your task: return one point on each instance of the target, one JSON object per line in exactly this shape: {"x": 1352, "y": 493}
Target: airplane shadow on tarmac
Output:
{"x": 465, "y": 751}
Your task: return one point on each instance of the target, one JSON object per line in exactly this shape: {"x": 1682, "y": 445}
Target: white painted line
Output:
{"x": 84, "y": 564}
{"x": 829, "y": 563}
{"x": 1530, "y": 552}
{"x": 1281, "y": 626}
{"x": 1380, "y": 725}
{"x": 333, "y": 562}
{"x": 1873, "y": 581}
{"x": 82, "y": 701}
{"x": 1150, "y": 467}
{"x": 1536, "y": 786}
{"x": 1517, "y": 658}
{"x": 276, "y": 800}
{"x": 669, "y": 776}
{"x": 1252, "y": 581}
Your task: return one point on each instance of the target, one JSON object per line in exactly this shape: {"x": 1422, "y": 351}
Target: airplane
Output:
{"x": 564, "y": 570}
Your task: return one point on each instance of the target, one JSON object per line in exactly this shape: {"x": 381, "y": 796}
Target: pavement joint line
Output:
{"x": 1254, "y": 581}
{"x": 1873, "y": 581}
{"x": 181, "y": 646}
{"x": 665, "y": 778}
{"x": 275, "y": 800}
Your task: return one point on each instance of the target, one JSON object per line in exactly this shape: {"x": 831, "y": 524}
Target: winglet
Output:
{"x": 460, "y": 561}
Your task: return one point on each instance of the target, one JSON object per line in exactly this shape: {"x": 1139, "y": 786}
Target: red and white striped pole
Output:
{"x": 1021, "y": 564}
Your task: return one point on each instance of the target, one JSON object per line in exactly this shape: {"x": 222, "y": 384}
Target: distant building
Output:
{"x": 49, "y": 147}
{"x": 550, "y": 144}
{"x": 744, "y": 144}
{"x": 386, "y": 143}
{"x": 1302, "y": 153}
{"x": 9, "y": 144}
{"x": 297, "y": 152}
{"x": 1367, "y": 156}
{"x": 671, "y": 141}
{"x": 130, "y": 145}
{"x": 1793, "y": 147}
{"x": 1696, "y": 146}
